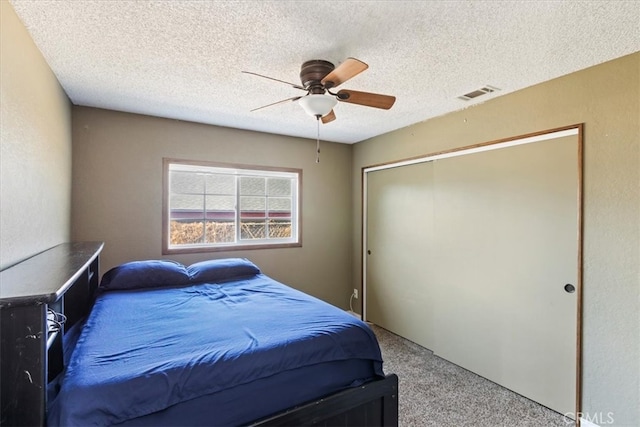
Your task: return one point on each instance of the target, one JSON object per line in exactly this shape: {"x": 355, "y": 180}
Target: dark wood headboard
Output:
{"x": 63, "y": 280}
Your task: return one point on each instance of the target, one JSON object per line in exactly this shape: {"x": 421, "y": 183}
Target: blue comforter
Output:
{"x": 143, "y": 351}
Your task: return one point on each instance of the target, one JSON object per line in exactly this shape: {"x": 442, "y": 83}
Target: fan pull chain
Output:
{"x": 318, "y": 140}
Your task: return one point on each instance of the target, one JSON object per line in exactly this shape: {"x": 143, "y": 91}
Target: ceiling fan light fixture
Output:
{"x": 318, "y": 104}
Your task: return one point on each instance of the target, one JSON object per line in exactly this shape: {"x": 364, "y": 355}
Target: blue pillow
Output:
{"x": 218, "y": 270}
{"x": 145, "y": 274}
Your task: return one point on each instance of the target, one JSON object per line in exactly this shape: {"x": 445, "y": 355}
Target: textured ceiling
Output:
{"x": 183, "y": 59}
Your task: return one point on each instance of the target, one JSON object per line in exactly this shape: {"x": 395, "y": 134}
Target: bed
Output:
{"x": 218, "y": 343}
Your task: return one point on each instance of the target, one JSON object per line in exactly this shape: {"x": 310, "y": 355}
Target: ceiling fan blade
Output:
{"x": 295, "y": 98}
{"x": 331, "y": 116}
{"x": 277, "y": 80}
{"x": 367, "y": 99}
{"x": 351, "y": 67}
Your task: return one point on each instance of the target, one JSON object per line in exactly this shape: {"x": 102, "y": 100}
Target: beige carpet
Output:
{"x": 434, "y": 392}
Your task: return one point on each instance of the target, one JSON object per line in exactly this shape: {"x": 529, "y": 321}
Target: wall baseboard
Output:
{"x": 353, "y": 313}
{"x": 587, "y": 423}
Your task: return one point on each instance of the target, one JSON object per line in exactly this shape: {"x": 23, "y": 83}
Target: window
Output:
{"x": 213, "y": 206}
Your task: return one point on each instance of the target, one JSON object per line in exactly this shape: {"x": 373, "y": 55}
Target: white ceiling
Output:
{"x": 183, "y": 59}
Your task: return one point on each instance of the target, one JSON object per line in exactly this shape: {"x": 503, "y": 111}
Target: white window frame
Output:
{"x": 238, "y": 171}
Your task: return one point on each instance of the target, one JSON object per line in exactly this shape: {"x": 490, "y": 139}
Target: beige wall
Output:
{"x": 117, "y": 193}
{"x": 35, "y": 147}
{"x": 606, "y": 99}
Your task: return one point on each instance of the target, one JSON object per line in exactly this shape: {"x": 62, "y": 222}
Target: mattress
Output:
{"x": 210, "y": 354}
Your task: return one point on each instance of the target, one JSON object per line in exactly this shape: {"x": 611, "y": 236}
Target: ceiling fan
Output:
{"x": 318, "y": 78}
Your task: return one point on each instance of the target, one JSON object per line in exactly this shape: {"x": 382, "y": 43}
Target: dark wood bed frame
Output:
{"x": 65, "y": 279}
{"x": 373, "y": 404}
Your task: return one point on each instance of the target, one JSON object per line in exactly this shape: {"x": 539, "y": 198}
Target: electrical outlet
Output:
{"x": 355, "y": 293}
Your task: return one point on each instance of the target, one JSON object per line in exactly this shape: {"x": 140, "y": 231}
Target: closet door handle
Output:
{"x": 569, "y": 288}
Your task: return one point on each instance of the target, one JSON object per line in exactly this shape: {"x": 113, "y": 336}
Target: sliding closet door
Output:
{"x": 399, "y": 256}
{"x": 470, "y": 256}
{"x": 507, "y": 237}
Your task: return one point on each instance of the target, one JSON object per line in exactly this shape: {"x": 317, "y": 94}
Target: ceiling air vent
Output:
{"x": 479, "y": 92}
